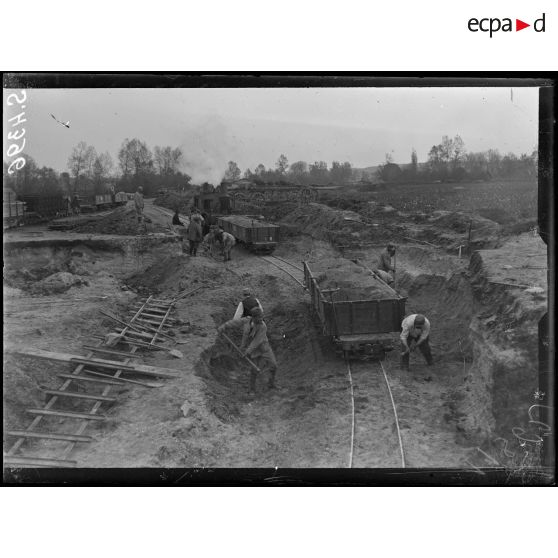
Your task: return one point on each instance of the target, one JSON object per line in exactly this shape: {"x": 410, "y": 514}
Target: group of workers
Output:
{"x": 198, "y": 231}
{"x": 255, "y": 346}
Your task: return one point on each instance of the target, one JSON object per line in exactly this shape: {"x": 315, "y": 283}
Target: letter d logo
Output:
{"x": 541, "y": 21}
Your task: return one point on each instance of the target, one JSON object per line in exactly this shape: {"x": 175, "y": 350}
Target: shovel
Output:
{"x": 252, "y": 364}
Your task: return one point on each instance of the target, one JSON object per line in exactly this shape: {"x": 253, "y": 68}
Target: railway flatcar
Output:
{"x": 257, "y": 236}
{"x": 103, "y": 201}
{"x": 362, "y": 317}
{"x": 121, "y": 198}
{"x": 13, "y": 210}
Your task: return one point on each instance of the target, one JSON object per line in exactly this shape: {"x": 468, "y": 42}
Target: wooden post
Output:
{"x": 469, "y": 237}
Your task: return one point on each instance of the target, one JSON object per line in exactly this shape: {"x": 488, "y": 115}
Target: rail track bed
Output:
{"x": 375, "y": 428}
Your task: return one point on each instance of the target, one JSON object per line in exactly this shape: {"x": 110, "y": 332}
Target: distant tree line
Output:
{"x": 450, "y": 161}
{"x": 32, "y": 179}
{"x": 90, "y": 172}
{"x": 299, "y": 172}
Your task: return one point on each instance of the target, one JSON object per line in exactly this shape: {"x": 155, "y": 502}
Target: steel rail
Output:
{"x": 289, "y": 263}
{"x": 352, "y": 412}
{"x": 396, "y": 418}
{"x": 266, "y": 258}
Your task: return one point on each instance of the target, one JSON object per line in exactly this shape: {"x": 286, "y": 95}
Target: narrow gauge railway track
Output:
{"x": 367, "y": 440}
{"x": 364, "y": 430}
{"x": 287, "y": 267}
{"x": 77, "y": 387}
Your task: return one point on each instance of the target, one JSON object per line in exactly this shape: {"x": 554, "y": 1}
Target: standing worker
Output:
{"x": 138, "y": 205}
{"x": 196, "y": 216}
{"x": 194, "y": 236}
{"x": 256, "y": 347}
{"x": 415, "y": 332}
{"x": 75, "y": 205}
{"x": 178, "y": 227}
{"x": 246, "y": 305}
{"x": 386, "y": 264}
{"x": 227, "y": 241}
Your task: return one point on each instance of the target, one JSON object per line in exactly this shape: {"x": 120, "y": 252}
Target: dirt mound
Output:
{"x": 325, "y": 223}
{"x": 174, "y": 200}
{"x": 176, "y": 273}
{"x": 58, "y": 283}
{"x": 121, "y": 221}
{"x": 354, "y": 281}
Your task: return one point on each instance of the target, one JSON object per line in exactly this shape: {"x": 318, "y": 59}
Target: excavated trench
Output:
{"x": 53, "y": 291}
{"x": 484, "y": 340}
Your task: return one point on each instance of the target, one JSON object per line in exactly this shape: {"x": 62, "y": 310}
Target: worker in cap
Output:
{"x": 415, "y": 332}
{"x": 255, "y": 345}
{"x": 385, "y": 267}
{"x": 245, "y": 306}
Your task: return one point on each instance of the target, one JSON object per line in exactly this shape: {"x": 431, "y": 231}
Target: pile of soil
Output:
{"x": 324, "y": 223}
{"x": 174, "y": 201}
{"x": 354, "y": 281}
{"x": 174, "y": 273}
{"x": 122, "y": 221}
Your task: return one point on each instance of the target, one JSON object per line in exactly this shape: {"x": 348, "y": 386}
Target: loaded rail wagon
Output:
{"x": 13, "y": 209}
{"x": 257, "y": 236}
{"x": 360, "y": 313}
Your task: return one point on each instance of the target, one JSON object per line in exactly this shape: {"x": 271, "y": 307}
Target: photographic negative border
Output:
{"x": 335, "y": 477}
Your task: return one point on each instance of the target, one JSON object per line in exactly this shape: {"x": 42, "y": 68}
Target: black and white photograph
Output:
{"x": 277, "y": 273}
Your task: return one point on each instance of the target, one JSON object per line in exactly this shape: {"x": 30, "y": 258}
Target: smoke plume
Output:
{"x": 207, "y": 147}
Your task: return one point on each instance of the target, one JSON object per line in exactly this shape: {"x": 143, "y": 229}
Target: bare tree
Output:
{"x": 134, "y": 157}
{"x": 282, "y": 165}
{"x": 102, "y": 168}
{"x": 233, "y": 172}
{"x": 414, "y": 162}
{"x": 81, "y": 161}
{"x": 167, "y": 160}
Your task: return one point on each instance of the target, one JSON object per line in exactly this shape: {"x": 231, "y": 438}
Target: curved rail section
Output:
{"x": 395, "y": 415}
{"x": 351, "y": 453}
{"x": 274, "y": 261}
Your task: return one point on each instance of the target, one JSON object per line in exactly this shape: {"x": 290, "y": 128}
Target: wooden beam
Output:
{"x": 113, "y": 352}
{"x": 18, "y": 460}
{"x": 47, "y": 436}
{"x": 97, "y": 362}
{"x": 93, "y": 380}
{"x": 78, "y": 395}
{"x": 67, "y": 414}
{"x": 126, "y": 380}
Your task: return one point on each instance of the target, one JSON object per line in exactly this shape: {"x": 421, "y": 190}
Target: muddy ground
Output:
{"x": 206, "y": 418}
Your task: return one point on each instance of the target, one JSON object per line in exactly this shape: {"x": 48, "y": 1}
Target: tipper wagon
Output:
{"x": 360, "y": 313}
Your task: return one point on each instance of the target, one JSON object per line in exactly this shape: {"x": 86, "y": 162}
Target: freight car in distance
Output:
{"x": 258, "y": 236}
{"x": 360, "y": 313}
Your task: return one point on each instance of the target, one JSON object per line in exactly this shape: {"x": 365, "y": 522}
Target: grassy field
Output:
{"x": 504, "y": 202}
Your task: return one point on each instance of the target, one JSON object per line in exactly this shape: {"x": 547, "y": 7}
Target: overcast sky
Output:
{"x": 251, "y": 126}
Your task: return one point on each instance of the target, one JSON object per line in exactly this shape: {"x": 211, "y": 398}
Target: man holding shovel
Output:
{"x": 255, "y": 347}
{"x": 415, "y": 332}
